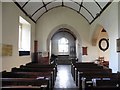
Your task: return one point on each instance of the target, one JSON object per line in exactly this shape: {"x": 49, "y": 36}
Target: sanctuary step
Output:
{"x": 63, "y": 60}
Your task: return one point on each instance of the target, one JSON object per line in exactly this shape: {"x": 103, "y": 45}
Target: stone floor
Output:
{"x": 64, "y": 79}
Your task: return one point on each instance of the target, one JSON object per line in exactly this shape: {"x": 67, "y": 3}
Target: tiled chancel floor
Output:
{"x": 64, "y": 79}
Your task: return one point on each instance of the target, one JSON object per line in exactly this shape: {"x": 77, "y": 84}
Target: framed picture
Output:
{"x": 84, "y": 51}
{"x": 118, "y": 45}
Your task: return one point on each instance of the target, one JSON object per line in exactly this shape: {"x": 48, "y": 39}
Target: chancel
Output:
{"x": 60, "y": 44}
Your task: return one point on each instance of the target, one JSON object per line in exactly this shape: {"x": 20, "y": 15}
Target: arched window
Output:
{"x": 63, "y": 45}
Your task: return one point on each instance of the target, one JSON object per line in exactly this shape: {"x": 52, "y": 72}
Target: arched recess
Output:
{"x": 96, "y": 33}
{"x": 73, "y": 32}
{"x": 100, "y": 39}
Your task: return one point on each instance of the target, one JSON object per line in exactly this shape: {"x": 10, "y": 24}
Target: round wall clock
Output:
{"x": 103, "y": 44}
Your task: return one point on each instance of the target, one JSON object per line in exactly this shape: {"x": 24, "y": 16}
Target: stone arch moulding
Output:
{"x": 72, "y": 31}
{"x": 96, "y": 33}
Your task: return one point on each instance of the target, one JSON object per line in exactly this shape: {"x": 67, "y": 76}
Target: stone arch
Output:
{"x": 100, "y": 35}
{"x": 96, "y": 33}
{"x": 72, "y": 31}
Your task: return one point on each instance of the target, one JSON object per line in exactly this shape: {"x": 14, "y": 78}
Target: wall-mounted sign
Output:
{"x": 118, "y": 45}
{"x": 6, "y": 50}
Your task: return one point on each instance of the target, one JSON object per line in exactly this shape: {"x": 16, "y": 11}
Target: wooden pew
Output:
{"x": 42, "y": 65}
{"x": 25, "y": 69}
{"x": 33, "y": 70}
{"x": 31, "y": 74}
{"x": 40, "y": 69}
{"x": 24, "y": 82}
{"x": 81, "y": 65}
{"x": 23, "y": 88}
{"x": 97, "y": 79}
{"x": 39, "y": 65}
{"x": 86, "y": 66}
{"x": 26, "y": 75}
{"x": 103, "y": 88}
{"x": 88, "y": 70}
{"x": 34, "y": 65}
{"x": 45, "y": 75}
{"x": 29, "y": 71}
{"x": 104, "y": 84}
{"x": 42, "y": 87}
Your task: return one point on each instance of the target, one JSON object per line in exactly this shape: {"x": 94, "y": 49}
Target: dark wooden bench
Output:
{"x": 42, "y": 87}
{"x": 45, "y": 75}
{"x": 37, "y": 70}
{"x": 92, "y": 70}
{"x": 104, "y": 84}
{"x": 97, "y": 79}
{"x": 26, "y": 74}
{"x": 19, "y": 82}
{"x": 86, "y": 66}
{"x": 41, "y": 66}
{"x": 82, "y": 65}
{"x": 37, "y": 65}
{"x": 34, "y": 69}
{"x": 103, "y": 88}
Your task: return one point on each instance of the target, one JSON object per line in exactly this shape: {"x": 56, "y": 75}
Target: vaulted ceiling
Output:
{"x": 89, "y": 9}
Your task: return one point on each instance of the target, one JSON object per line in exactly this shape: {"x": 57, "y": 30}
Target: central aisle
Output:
{"x": 64, "y": 78}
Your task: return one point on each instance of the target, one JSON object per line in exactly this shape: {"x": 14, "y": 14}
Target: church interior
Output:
{"x": 60, "y": 44}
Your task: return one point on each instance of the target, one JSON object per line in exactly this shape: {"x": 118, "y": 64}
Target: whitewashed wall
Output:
{"x": 109, "y": 21}
{"x": 119, "y": 34}
{"x": 0, "y": 35}
{"x": 59, "y": 16}
{"x": 101, "y": 53}
{"x": 10, "y": 32}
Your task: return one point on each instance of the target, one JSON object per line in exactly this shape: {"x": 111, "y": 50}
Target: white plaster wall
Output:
{"x": 10, "y": 32}
{"x": 109, "y": 21}
{"x": 101, "y": 53}
{"x": 0, "y": 34}
{"x": 119, "y": 34}
{"x": 59, "y": 16}
{"x": 56, "y": 17}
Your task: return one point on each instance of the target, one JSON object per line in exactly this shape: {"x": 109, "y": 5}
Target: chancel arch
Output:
{"x": 69, "y": 29}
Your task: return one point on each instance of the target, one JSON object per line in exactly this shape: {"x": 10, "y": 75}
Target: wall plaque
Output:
{"x": 118, "y": 45}
{"x": 5, "y": 50}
